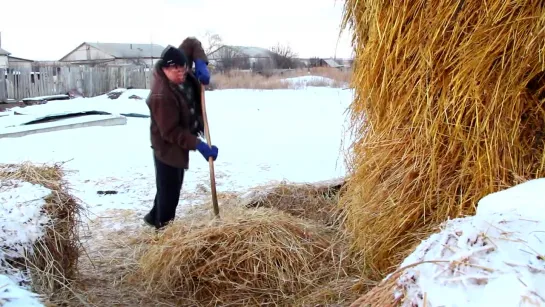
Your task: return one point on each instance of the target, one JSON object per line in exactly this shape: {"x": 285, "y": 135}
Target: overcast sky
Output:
{"x": 49, "y": 29}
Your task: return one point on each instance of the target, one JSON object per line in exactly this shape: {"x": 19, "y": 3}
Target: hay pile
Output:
{"x": 449, "y": 107}
{"x": 249, "y": 257}
{"x": 53, "y": 261}
{"x": 315, "y": 202}
{"x": 338, "y": 292}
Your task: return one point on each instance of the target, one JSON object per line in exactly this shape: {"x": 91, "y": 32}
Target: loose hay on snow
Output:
{"x": 249, "y": 256}
{"x": 448, "y": 107}
{"x": 316, "y": 201}
{"x": 54, "y": 257}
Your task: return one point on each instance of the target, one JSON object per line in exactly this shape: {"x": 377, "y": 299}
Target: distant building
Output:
{"x": 20, "y": 63}
{"x": 332, "y": 63}
{"x": 10, "y": 62}
{"x": 4, "y": 62}
{"x": 242, "y": 57}
{"x": 340, "y": 64}
{"x": 114, "y": 54}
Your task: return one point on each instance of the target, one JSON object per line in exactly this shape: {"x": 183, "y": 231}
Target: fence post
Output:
{"x": 3, "y": 86}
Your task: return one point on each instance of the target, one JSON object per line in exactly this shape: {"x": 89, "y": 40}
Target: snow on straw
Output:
{"x": 22, "y": 222}
{"x": 495, "y": 258}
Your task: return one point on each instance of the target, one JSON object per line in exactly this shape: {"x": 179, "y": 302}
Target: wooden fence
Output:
{"x": 17, "y": 84}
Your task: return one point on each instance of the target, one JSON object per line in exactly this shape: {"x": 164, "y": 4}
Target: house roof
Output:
{"x": 332, "y": 63}
{"x": 20, "y": 59}
{"x": 4, "y": 52}
{"x": 120, "y": 50}
{"x": 252, "y": 52}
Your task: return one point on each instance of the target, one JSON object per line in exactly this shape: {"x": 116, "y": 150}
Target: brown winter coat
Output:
{"x": 171, "y": 138}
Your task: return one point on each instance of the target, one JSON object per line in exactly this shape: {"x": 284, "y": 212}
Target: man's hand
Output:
{"x": 201, "y": 72}
{"x": 207, "y": 151}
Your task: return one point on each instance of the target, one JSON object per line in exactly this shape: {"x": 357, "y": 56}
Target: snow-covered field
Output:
{"x": 263, "y": 136}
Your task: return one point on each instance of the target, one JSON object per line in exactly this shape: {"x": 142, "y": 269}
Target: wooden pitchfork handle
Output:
{"x": 210, "y": 160}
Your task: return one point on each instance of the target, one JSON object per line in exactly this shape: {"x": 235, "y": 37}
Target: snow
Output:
{"x": 263, "y": 137}
{"x": 12, "y": 295}
{"x": 527, "y": 196}
{"x": 310, "y": 80}
{"x": 22, "y": 223}
{"x": 58, "y": 123}
{"x": 39, "y": 98}
{"x": 495, "y": 258}
{"x": 123, "y": 104}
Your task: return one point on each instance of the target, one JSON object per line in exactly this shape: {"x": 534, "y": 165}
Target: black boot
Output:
{"x": 149, "y": 220}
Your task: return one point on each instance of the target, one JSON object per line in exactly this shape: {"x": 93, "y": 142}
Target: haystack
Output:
{"x": 53, "y": 258}
{"x": 249, "y": 257}
{"x": 313, "y": 201}
{"x": 448, "y": 107}
{"x": 494, "y": 258}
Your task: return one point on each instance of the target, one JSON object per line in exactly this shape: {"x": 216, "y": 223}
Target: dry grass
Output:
{"x": 248, "y": 80}
{"x": 53, "y": 263}
{"x": 131, "y": 266}
{"x": 316, "y": 202}
{"x": 383, "y": 295}
{"x": 448, "y": 107}
{"x": 339, "y": 292}
{"x": 249, "y": 257}
{"x": 112, "y": 256}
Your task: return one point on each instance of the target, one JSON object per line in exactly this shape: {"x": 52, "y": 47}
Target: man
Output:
{"x": 171, "y": 135}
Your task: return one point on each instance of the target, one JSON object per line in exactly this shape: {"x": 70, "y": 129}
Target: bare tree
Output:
{"x": 315, "y": 62}
{"x": 229, "y": 58}
{"x": 284, "y": 56}
{"x": 262, "y": 65}
{"x": 213, "y": 42}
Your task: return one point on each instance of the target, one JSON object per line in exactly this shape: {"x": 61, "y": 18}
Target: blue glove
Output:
{"x": 201, "y": 72}
{"x": 207, "y": 151}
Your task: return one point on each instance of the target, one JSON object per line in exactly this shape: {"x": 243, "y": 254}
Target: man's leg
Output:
{"x": 151, "y": 217}
{"x": 169, "y": 181}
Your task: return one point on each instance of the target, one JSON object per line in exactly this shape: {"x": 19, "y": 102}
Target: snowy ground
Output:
{"x": 305, "y": 81}
{"x": 263, "y": 136}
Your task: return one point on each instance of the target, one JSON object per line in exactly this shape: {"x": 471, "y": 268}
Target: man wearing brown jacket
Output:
{"x": 171, "y": 136}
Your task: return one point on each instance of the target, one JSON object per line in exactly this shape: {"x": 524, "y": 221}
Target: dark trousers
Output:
{"x": 168, "y": 181}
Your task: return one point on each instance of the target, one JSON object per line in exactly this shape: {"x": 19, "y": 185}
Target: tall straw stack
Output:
{"x": 448, "y": 108}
